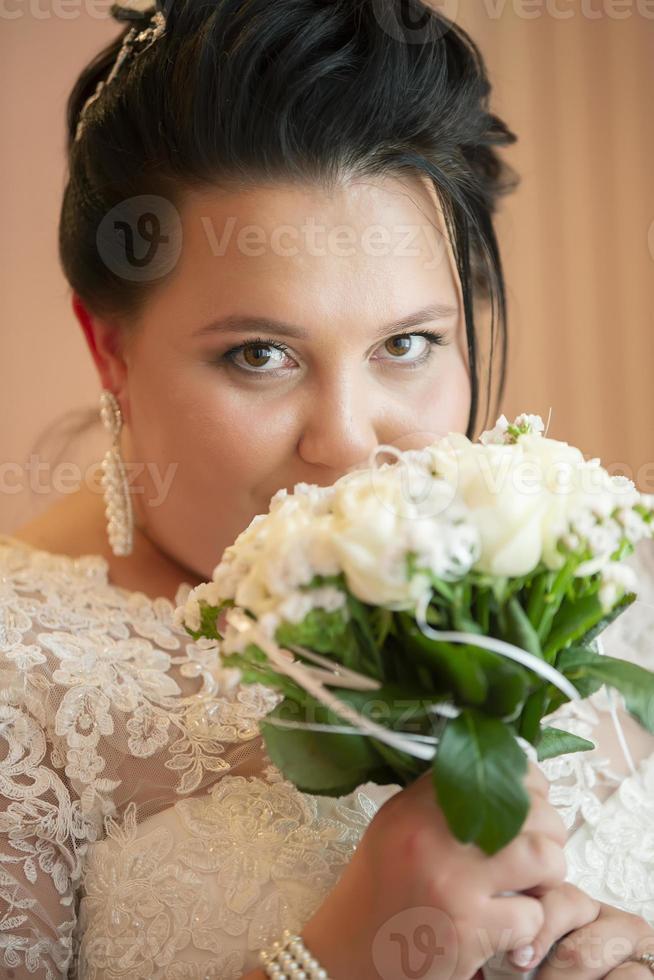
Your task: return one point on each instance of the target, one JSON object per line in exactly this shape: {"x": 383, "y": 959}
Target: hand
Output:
{"x": 583, "y": 939}
{"x": 412, "y": 890}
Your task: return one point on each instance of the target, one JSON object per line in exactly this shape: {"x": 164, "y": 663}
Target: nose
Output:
{"x": 340, "y": 429}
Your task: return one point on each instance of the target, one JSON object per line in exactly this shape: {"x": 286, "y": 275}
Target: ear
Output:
{"x": 104, "y": 342}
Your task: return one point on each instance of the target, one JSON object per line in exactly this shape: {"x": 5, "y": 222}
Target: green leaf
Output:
{"x": 500, "y": 585}
{"x": 540, "y": 585}
{"x": 554, "y": 741}
{"x": 324, "y": 763}
{"x": 575, "y": 618}
{"x": 455, "y": 667}
{"x": 443, "y": 588}
{"x": 532, "y": 714}
{"x": 463, "y": 622}
{"x": 404, "y": 767}
{"x": 478, "y": 773}
{"x": 507, "y": 683}
{"x": 361, "y": 628}
{"x": 554, "y": 599}
{"x": 393, "y": 705}
{"x": 519, "y": 629}
{"x": 588, "y": 670}
{"x": 381, "y": 624}
{"x": 209, "y": 616}
{"x": 483, "y": 609}
{"x": 627, "y": 599}
{"x": 320, "y": 630}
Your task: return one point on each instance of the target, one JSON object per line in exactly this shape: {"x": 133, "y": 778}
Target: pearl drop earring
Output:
{"x": 118, "y": 503}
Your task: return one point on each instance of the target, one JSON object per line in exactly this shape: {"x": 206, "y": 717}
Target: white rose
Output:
{"x": 279, "y": 552}
{"x": 520, "y": 496}
{"x": 379, "y": 517}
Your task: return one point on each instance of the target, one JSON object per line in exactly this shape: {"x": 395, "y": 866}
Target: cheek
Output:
{"x": 220, "y": 437}
{"x": 458, "y": 398}
{"x": 443, "y": 405}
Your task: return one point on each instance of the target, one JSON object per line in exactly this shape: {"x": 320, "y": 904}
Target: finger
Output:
{"x": 566, "y": 908}
{"x": 511, "y": 922}
{"x": 530, "y": 860}
{"x": 543, "y": 818}
{"x": 630, "y": 971}
{"x": 594, "y": 950}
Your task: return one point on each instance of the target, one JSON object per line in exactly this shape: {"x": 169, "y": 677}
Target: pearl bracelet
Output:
{"x": 289, "y": 959}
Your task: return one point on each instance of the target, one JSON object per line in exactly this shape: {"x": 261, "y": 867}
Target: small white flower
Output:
{"x": 529, "y": 423}
{"x": 572, "y": 541}
{"x": 603, "y": 539}
{"x": 496, "y": 435}
{"x": 297, "y": 605}
{"x": 633, "y": 525}
{"x": 617, "y": 579}
{"x": 501, "y": 506}
{"x": 624, "y": 490}
{"x": 192, "y": 616}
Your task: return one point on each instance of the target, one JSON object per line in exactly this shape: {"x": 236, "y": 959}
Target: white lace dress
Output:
{"x": 144, "y": 833}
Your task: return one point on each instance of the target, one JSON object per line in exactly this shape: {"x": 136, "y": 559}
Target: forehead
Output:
{"x": 300, "y": 247}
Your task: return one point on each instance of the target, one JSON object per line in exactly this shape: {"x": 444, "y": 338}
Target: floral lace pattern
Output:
{"x": 145, "y": 832}
{"x": 199, "y": 888}
{"x": 104, "y": 703}
{"x": 603, "y": 796}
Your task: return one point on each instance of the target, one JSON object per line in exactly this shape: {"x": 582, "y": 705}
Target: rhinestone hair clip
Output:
{"x": 134, "y": 37}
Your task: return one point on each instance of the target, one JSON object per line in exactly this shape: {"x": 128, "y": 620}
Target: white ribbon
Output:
{"x": 305, "y": 677}
{"x": 313, "y": 680}
{"x": 501, "y": 647}
{"x": 617, "y": 724}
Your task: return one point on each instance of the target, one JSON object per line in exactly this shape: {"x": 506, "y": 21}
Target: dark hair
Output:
{"x": 248, "y": 91}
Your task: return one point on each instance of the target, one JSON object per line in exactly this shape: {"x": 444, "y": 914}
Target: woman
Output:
{"x": 277, "y": 231}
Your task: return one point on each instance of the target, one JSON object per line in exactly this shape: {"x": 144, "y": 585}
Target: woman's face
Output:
{"x": 224, "y": 409}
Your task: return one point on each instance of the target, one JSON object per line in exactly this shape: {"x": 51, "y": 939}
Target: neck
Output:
{"x": 76, "y": 526}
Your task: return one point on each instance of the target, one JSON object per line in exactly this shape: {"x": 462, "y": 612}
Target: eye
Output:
{"x": 265, "y": 356}
{"x": 401, "y": 347}
{"x": 258, "y": 354}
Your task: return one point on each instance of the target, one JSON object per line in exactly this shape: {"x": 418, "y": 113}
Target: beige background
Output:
{"x": 577, "y": 237}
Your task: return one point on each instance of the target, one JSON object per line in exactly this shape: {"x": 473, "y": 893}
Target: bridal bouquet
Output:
{"x": 430, "y": 612}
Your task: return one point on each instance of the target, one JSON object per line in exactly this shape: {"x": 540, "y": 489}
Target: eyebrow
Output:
{"x": 261, "y": 324}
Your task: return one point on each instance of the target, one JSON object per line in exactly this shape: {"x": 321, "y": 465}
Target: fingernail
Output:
{"x": 522, "y": 956}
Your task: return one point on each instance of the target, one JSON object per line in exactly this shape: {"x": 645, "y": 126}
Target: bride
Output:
{"x": 277, "y": 232}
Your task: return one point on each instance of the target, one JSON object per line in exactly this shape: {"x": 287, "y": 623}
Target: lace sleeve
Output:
{"x": 606, "y": 796}
{"x": 104, "y": 708}
{"x": 43, "y": 835}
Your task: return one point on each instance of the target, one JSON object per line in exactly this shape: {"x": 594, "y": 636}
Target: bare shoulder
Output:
{"x": 71, "y": 526}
